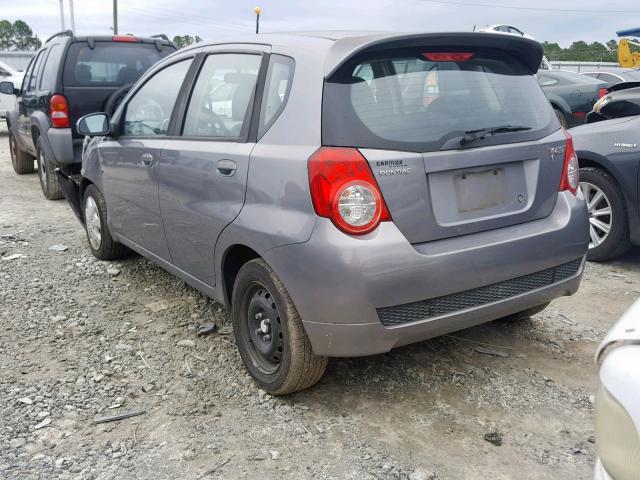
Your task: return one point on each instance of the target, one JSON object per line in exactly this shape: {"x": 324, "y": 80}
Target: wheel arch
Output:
{"x": 234, "y": 257}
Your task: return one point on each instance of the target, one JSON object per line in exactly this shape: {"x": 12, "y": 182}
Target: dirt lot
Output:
{"x": 83, "y": 338}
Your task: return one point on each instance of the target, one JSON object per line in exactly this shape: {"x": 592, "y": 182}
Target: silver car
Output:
{"x": 355, "y": 192}
{"x": 617, "y": 400}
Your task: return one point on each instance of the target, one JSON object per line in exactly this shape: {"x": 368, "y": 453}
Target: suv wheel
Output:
{"x": 101, "y": 244}
{"x": 269, "y": 333}
{"x": 48, "y": 178}
{"x": 608, "y": 220}
{"x": 22, "y": 162}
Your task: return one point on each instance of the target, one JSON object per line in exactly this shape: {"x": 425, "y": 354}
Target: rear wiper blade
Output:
{"x": 479, "y": 134}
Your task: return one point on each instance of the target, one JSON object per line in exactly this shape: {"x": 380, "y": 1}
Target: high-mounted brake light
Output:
{"x": 124, "y": 38}
{"x": 602, "y": 92}
{"x": 59, "y": 111}
{"x": 448, "y": 57}
{"x": 571, "y": 171}
{"x": 344, "y": 190}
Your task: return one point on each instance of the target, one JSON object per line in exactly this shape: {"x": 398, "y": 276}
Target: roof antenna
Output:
{"x": 474, "y": 28}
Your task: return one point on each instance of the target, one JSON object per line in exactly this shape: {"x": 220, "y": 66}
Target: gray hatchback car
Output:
{"x": 342, "y": 194}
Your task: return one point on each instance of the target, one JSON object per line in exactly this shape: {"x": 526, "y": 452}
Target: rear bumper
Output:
{"x": 62, "y": 146}
{"x": 338, "y": 282}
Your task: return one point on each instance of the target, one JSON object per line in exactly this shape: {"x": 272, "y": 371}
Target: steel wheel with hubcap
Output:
{"x": 92, "y": 219}
{"x": 101, "y": 244}
{"x": 600, "y": 214}
{"x": 269, "y": 333}
{"x": 608, "y": 218}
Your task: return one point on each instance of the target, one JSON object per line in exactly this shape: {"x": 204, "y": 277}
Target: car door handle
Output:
{"x": 146, "y": 159}
{"x": 226, "y": 168}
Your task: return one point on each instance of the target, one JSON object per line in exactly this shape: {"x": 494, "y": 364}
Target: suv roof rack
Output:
{"x": 63, "y": 33}
{"x": 162, "y": 36}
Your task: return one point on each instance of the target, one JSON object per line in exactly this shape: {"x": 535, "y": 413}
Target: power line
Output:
{"x": 535, "y": 9}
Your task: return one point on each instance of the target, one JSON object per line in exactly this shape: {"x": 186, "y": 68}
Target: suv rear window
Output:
{"x": 402, "y": 100}
{"x": 110, "y": 63}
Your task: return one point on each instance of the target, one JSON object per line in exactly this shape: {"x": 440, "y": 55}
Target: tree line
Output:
{"x": 18, "y": 36}
{"x": 583, "y": 51}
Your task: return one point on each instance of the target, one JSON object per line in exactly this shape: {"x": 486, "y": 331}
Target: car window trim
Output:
{"x": 269, "y": 124}
{"x": 133, "y": 93}
{"x": 249, "y": 131}
{"x": 44, "y": 64}
{"x": 37, "y": 69}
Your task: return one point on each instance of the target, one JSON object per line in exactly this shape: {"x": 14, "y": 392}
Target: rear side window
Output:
{"x": 219, "y": 105}
{"x": 412, "y": 100}
{"x": 276, "y": 91}
{"x": 50, "y": 71}
{"x": 31, "y": 86}
{"x": 109, "y": 63}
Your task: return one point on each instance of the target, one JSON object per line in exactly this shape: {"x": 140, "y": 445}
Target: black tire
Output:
{"x": 107, "y": 248}
{"x": 295, "y": 367}
{"x": 22, "y": 162}
{"x": 46, "y": 173}
{"x": 529, "y": 312}
{"x": 113, "y": 100}
{"x": 561, "y": 118}
{"x": 617, "y": 241}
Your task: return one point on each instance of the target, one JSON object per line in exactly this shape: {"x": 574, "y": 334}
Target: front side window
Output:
{"x": 149, "y": 111}
{"x": 276, "y": 91}
{"x": 222, "y": 97}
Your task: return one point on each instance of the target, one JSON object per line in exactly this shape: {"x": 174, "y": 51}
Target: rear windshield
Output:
{"x": 110, "y": 64}
{"x": 403, "y": 100}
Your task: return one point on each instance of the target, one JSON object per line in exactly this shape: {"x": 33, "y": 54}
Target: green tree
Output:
{"x": 23, "y": 37}
{"x": 182, "y": 41}
{"x": 17, "y": 36}
{"x": 6, "y": 35}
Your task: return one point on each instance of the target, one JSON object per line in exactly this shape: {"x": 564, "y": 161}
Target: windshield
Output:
{"x": 406, "y": 101}
{"x": 110, "y": 64}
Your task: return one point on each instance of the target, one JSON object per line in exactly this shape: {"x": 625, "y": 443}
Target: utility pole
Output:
{"x": 115, "y": 17}
{"x": 257, "y": 10}
{"x": 61, "y": 15}
{"x": 73, "y": 19}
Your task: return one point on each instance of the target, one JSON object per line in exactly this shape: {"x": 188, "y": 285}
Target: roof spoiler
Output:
{"x": 528, "y": 51}
{"x": 622, "y": 86}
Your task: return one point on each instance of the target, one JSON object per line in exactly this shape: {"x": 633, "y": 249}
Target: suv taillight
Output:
{"x": 344, "y": 190}
{"x": 571, "y": 171}
{"x": 59, "y": 111}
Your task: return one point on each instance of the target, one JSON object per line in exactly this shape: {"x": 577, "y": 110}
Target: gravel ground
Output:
{"x": 83, "y": 339}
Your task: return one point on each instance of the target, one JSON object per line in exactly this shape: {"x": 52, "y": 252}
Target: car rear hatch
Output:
{"x": 457, "y": 132}
{"x": 95, "y": 68}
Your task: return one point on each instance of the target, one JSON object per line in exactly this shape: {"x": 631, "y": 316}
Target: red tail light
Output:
{"x": 571, "y": 171}
{"x": 602, "y": 92}
{"x": 59, "y": 111}
{"x": 124, "y": 38}
{"x": 344, "y": 190}
{"x": 449, "y": 57}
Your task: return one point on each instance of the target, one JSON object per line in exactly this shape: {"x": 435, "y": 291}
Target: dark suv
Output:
{"x": 67, "y": 78}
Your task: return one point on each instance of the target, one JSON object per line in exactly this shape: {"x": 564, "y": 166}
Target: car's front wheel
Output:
{"x": 48, "y": 178}
{"x": 269, "y": 333}
{"x": 608, "y": 220}
{"x": 22, "y": 162}
{"x": 101, "y": 244}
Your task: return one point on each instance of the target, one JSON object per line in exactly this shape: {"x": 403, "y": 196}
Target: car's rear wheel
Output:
{"x": 608, "y": 219}
{"x": 101, "y": 244}
{"x": 561, "y": 117}
{"x": 22, "y": 162}
{"x": 46, "y": 172}
{"x": 269, "y": 333}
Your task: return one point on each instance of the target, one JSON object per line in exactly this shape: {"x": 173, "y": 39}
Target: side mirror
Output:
{"x": 94, "y": 124}
{"x": 7, "y": 88}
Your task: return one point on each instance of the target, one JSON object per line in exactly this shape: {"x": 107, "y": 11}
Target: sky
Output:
{"x": 555, "y": 21}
